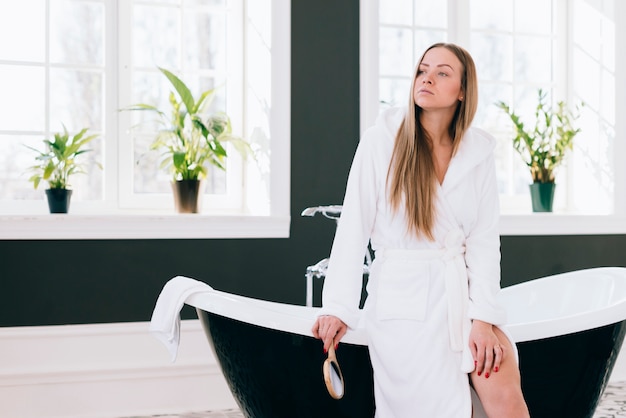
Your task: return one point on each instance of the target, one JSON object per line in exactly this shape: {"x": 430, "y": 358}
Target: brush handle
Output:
{"x": 331, "y": 351}
{"x": 332, "y": 366}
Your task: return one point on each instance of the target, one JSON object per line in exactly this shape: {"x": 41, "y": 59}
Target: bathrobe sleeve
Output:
{"x": 482, "y": 254}
{"x": 344, "y": 276}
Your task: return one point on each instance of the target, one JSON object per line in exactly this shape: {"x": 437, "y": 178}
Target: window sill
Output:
{"x": 171, "y": 226}
{"x": 197, "y": 226}
{"x": 562, "y": 224}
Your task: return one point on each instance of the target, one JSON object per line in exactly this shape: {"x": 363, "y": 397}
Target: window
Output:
{"x": 202, "y": 42}
{"x": 76, "y": 63}
{"x": 568, "y": 49}
{"x": 52, "y": 72}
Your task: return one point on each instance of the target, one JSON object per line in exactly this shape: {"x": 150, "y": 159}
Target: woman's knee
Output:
{"x": 501, "y": 394}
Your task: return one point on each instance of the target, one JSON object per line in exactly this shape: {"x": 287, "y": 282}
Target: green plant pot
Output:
{"x": 542, "y": 196}
{"x": 58, "y": 200}
{"x": 187, "y": 195}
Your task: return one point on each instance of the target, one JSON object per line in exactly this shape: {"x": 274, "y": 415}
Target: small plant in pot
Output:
{"x": 544, "y": 146}
{"x": 58, "y": 163}
{"x": 190, "y": 141}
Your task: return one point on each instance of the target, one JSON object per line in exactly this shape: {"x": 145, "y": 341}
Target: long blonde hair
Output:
{"x": 411, "y": 175}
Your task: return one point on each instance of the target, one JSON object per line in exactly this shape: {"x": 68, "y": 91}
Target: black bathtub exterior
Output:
{"x": 565, "y": 376}
{"x": 275, "y": 374}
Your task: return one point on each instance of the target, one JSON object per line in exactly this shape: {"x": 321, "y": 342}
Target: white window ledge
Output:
{"x": 197, "y": 226}
{"x": 562, "y": 224}
{"x": 174, "y": 226}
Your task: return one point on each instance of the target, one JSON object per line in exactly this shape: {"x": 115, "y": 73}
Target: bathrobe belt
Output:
{"x": 452, "y": 255}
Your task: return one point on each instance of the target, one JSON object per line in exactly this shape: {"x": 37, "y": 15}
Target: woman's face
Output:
{"x": 438, "y": 81}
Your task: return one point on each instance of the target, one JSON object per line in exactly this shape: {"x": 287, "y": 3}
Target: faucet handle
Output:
{"x": 331, "y": 212}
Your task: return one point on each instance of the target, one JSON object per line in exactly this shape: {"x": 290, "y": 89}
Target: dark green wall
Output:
{"x": 529, "y": 257}
{"x": 72, "y": 282}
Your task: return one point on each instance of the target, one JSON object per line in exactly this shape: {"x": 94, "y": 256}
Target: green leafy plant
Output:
{"x": 190, "y": 140}
{"x": 544, "y": 146}
{"x": 59, "y": 160}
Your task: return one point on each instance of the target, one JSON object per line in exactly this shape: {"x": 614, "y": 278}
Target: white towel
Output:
{"x": 165, "y": 322}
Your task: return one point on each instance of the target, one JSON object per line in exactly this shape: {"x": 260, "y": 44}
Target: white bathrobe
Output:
{"x": 422, "y": 295}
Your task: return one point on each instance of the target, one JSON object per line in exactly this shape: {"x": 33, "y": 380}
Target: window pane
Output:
{"x": 394, "y": 92}
{"x": 533, "y": 59}
{"x": 607, "y": 44}
{"x": 431, "y": 14}
{"x": 587, "y": 17}
{"x": 534, "y": 16}
{"x": 160, "y": 40}
{"x": 153, "y": 88}
{"x": 397, "y": 12}
{"x": 205, "y": 2}
{"x": 424, "y": 39}
{"x": 89, "y": 186}
{"x": 14, "y": 163}
{"x": 76, "y": 32}
{"x": 488, "y": 115}
{"x": 396, "y": 51}
{"x": 493, "y": 56}
{"x": 491, "y": 15}
{"x": 156, "y": 37}
{"x": 23, "y": 23}
{"x": 25, "y": 86}
{"x": 76, "y": 99}
{"x": 147, "y": 176}
{"x": 587, "y": 77}
{"x": 213, "y": 48}
{"x": 513, "y": 175}
{"x": 259, "y": 68}
{"x": 150, "y": 178}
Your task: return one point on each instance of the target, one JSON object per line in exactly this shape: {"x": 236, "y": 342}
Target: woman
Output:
{"x": 423, "y": 189}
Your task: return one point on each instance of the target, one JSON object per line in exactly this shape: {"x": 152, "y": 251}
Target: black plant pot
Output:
{"x": 58, "y": 200}
{"x": 542, "y": 196}
{"x": 187, "y": 195}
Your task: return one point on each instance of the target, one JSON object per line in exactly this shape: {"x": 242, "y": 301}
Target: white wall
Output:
{"x": 106, "y": 370}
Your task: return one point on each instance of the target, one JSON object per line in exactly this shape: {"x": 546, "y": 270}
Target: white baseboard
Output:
{"x": 106, "y": 370}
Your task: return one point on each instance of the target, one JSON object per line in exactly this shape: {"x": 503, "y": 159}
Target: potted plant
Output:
{"x": 57, "y": 163}
{"x": 190, "y": 140}
{"x": 544, "y": 146}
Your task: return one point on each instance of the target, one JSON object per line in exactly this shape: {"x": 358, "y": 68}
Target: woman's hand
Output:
{"x": 329, "y": 328}
{"x": 486, "y": 348}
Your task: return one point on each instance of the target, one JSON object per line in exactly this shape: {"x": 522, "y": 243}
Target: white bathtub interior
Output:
{"x": 566, "y": 303}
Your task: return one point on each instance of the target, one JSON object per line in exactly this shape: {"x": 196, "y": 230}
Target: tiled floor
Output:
{"x": 612, "y": 405}
{"x": 208, "y": 414}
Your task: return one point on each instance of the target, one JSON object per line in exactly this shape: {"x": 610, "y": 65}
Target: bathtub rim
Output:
{"x": 298, "y": 319}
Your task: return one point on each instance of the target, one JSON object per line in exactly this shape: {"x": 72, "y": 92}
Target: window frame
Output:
{"x": 107, "y": 221}
{"x": 127, "y": 199}
{"x": 527, "y": 223}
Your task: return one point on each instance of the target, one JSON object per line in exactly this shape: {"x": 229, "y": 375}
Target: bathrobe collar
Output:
{"x": 475, "y": 147}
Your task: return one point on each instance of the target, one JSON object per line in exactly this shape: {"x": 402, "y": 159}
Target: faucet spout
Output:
{"x": 331, "y": 212}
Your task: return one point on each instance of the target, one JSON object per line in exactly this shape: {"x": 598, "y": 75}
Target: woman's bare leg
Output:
{"x": 501, "y": 393}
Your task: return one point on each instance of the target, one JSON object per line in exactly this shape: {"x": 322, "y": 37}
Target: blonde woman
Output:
{"x": 422, "y": 188}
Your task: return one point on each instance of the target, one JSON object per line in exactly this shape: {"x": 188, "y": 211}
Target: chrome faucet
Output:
{"x": 331, "y": 212}
{"x": 318, "y": 270}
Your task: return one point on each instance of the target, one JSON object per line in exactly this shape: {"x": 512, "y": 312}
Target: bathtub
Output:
{"x": 569, "y": 329}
